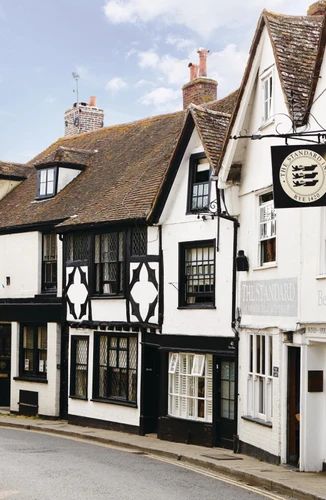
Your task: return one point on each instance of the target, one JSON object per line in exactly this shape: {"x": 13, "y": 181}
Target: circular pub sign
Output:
{"x": 303, "y": 176}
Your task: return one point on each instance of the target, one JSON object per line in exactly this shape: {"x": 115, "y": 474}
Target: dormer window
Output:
{"x": 198, "y": 187}
{"x": 47, "y": 182}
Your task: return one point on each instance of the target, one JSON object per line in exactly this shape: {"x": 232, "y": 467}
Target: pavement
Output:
{"x": 273, "y": 478}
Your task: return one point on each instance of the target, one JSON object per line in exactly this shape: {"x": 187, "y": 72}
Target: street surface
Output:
{"x": 40, "y": 467}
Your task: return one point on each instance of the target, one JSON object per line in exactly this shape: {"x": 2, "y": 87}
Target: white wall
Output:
{"x": 6, "y": 186}
{"x": 48, "y": 394}
{"x": 66, "y": 175}
{"x": 178, "y": 227}
{"x": 20, "y": 260}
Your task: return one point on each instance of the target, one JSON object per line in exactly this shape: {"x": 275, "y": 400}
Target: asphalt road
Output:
{"x": 41, "y": 467}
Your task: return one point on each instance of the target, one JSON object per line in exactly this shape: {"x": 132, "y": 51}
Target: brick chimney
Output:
{"x": 199, "y": 89}
{"x": 83, "y": 117}
{"x": 317, "y": 8}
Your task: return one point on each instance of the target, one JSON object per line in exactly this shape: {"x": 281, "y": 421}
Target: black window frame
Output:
{"x": 34, "y": 374}
{"x": 183, "y": 247}
{"x": 98, "y": 289}
{"x": 55, "y": 181}
{"x": 73, "y": 371}
{"x": 49, "y": 287}
{"x": 193, "y": 164}
{"x": 118, "y": 399}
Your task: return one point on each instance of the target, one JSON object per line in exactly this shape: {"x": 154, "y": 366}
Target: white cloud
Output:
{"x": 148, "y": 59}
{"x": 115, "y": 84}
{"x": 202, "y": 17}
{"x": 162, "y": 99}
{"x": 180, "y": 43}
{"x": 144, "y": 83}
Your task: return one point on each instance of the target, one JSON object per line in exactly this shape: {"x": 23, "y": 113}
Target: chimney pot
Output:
{"x": 193, "y": 71}
{"x": 317, "y": 8}
{"x": 202, "y": 61}
{"x": 92, "y": 101}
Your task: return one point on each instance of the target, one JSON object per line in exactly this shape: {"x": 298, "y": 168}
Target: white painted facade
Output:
{"x": 300, "y": 256}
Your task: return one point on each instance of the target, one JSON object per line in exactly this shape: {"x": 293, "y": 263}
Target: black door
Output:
{"x": 293, "y": 406}
{"x": 64, "y": 373}
{"x": 150, "y": 389}
{"x": 225, "y": 405}
{"x": 5, "y": 355}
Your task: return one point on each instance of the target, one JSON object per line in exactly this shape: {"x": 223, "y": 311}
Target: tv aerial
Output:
{"x": 76, "y": 78}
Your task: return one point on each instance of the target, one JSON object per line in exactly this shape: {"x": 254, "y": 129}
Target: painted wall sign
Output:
{"x": 269, "y": 297}
{"x": 299, "y": 176}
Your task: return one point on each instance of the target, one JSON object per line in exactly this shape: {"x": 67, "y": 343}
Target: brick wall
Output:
{"x": 83, "y": 118}
{"x": 199, "y": 91}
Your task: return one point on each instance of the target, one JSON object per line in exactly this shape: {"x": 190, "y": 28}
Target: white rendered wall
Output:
{"x": 6, "y": 186}
{"x": 66, "y": 175}
{"x": 179, "y": 227}
{"x": 102, "y": 411}
{"x": 20, "y": 260}
{"x": 48, "y": 394}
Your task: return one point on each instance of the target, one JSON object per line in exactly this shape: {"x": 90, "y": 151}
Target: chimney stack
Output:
{"x": 317, "y": 8}
{"x": 199, "y": 89}
{"x": 83, "y": 117}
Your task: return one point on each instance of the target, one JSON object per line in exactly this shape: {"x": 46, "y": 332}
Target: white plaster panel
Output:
{"x": 109, "y": 309}
{"x": 20, "y": 260}
{"x": 153, "y": 240}
{"x": 48, "y": 394}
{"x": 6, "y": 186}
{"x": 66, "y": 175}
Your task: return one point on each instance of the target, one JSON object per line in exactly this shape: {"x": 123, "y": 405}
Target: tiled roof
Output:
{"x": 298, "y": 45}
{"x": 14, "y": 171}
{"x": 120, "y": 182}
{"x": 64, "y": 154}
{"x": 224, "y": 105}
{"x": 212, "y": 127}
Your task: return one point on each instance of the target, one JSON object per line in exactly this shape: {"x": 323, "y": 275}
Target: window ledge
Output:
{"x": 258, "y": 421}
{"x": 105, "y": 297}
{"x": 321, "y": 277}
{"x": 266, "y": 123}
{"x": 79, "y": 398}
{"x": 38, "y": 380}
{"x": 268, "y": 265}
{"x": 115, "y": 402}
{"x": 197, "y": 306}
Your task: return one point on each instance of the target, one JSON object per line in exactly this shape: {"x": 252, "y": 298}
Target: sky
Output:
{"x": 132, "y": 54}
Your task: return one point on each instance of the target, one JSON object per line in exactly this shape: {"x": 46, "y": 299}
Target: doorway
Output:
{"x": 5, "y": 361}
{"x": 225, "y": 421}
{"x": 150, "y": 389}
{"x": 293, "y": 406}
{"x": 64, "y": 373}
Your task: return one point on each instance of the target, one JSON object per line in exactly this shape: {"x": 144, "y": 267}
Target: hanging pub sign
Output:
{"x": 299, "y": 176}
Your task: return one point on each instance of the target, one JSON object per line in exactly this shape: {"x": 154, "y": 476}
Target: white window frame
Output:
{"x": 184, "y": 399}
{"x": 260, "y": 376}
{"x": 47, "y": 182}
{"x": 270, "y": 228}
{"x": 267, "y": 83}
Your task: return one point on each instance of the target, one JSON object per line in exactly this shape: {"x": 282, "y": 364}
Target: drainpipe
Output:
{"x": 225, "y": 215}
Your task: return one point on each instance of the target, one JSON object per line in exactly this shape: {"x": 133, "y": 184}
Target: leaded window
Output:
{"x": 260, "y": 378}
{"x": 138, "y": 240}
{"x": 79, "y": 367}
{"x": 77, "y": 247}
{"x": 49, "y": 262}
{"x": 228, "y": 389}
{"x": 197, "y": 273}
{"x": 190, "y": 386}
{"x": 33, "y": 353}
{"x": 267, "y": 229}
{"x": 109, "y": 263}
{"x": 199, "y": 173}
{"x": 115, "y": 368}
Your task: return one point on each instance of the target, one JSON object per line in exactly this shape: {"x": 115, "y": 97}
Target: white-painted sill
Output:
{"x": 266, "y": 124}
{"x": 321, "y": 277}
{"x": 270, "y": 265}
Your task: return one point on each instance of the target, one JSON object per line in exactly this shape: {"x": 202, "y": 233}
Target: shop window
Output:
{"x": 79, "y": 367}
{"x": 267, "y": 229}
{"x": 115, "y": 368}
{"x": 260, "y": 377}
{"x": 190, "y": 386}
{"x": 33, "y": 351}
